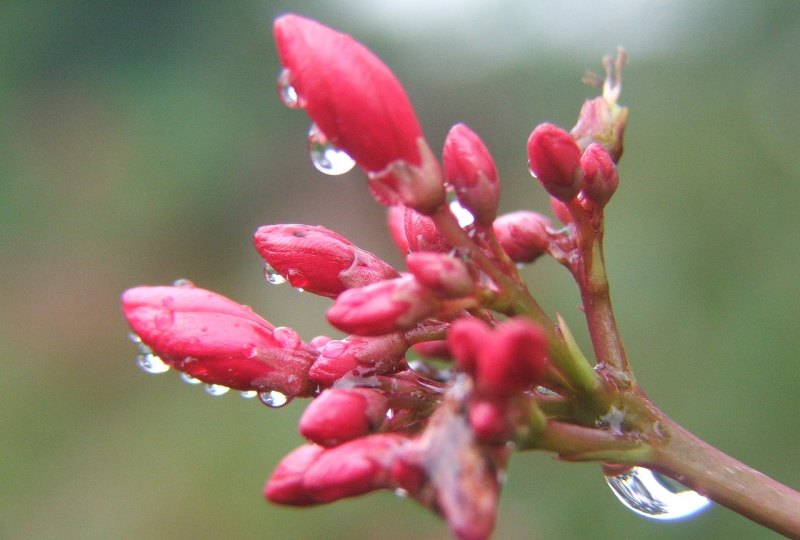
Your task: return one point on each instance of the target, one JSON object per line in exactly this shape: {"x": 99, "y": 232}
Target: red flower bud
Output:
{"x": 561, "y": 211}
{"x": 422, "y": 235}
{"x": 285, "y": 485}
{"x": 338, "y": 415}
{"x": 470, "y": 169}
{"x": 443, "y": 275}
{"x": 433, "y": 349}
{"x": 218, "y": 341}
{"x": 396, "y": 219}
{"x": 523, "y": 235}
{"x": 356, "y": 101}
{"x": 381, "y": 308}
{"x": 600, "y": 174}
{"x": 318, "y": 260}
{"x": 554, "y": 159}
{"x": 489, "y": 421}
{"x": 359, "y": 356}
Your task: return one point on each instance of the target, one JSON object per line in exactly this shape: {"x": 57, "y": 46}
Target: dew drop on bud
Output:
{"x": 325, "y": 156}
{"x": 183, "y": 283}
{"x": 216, "y": 389}
{"x": 273, "y": 399}
{"x": 248, "y": 394}
{"x": 272, "y": 276}
{"x": 188, "y": 379}
{"x": 653, "y": 496}
{"x": 286, "y": 91}
{"x": 150, "y": 363}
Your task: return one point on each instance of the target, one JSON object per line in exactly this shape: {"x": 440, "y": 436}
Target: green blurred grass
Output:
{"x": 142, "y": 142}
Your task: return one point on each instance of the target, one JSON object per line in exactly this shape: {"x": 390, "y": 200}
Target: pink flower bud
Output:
{"x": 443, "y": 275}
{"x": 600, "y": 174}
{"x": 489, "y": 422}
{"x": 561, "y": 211}
{"x": 503, "y": 362}
{"x": 356, "y": 101}
{"x": 218, "y": 341}
{"x": 433, "y": 349}
{"x": 381, "y": 308}
{"x": 314, "y": 475}
{"x": 318, "y": 260}
{"x": 422, "y": 235}
{"x": 359, "y": 356}
{"x": 554, "y": 159}
{"x": 523, "y": 235}
{"x": 470, "y": 169}
{"x": 396, "y": 219}
{"x": 338, "y": 415}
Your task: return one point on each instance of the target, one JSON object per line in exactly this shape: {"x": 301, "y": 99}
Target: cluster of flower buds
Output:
{"x": 374, "y": 423}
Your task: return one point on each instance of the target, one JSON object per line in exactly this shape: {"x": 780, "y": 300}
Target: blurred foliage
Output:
{"x": 143, "y": 142}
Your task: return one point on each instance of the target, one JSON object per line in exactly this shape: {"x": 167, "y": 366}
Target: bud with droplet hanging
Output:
{"x": 318, "y": 260}
{"x": 554, "y": 160}
{"x": 342, "y": 414}
{"x": 381, "y": 308}
{"x": 218, "y": 341}
{"x": 356, "y": 101}
{"x": 470, "y": 170}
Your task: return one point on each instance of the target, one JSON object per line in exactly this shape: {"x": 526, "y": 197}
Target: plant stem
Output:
{"x": 726, "y": 481}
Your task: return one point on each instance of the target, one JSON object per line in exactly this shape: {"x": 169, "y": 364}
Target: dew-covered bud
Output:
{"x": 359, "y": 356}
{"x": 554, "y": 159}
{"x": 443, "y": 275}
{"x": 422, "y": 235}
{"x": 218, "y": 341}
{"x": 361, "y": 108}
{"x": 318, "y": 260}
{"x": 600, "y": 174}
{"x": 338, "y": 415}
{"x": 523, "y": 235}
{"x": 470, "y": 169}
{"x": 381, "y": 308}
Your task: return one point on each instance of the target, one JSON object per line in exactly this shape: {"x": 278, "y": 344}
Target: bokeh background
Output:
{"x": 142, "y": 142}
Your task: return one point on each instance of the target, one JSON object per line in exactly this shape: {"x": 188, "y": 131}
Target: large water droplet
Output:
{"x": 650, "y": 495}
{"x": 216, "y": 389}
{"x": 151, "y": 363}
{"x": 325, "y": 156}
{"x": 273, "y": 399}
{"x": 248, "y": 394}
{"x": 272, "y": 276}
{"x": 182, "y": 282}
{"x": 188, "y": 379}
{"x": 286, "y": 91}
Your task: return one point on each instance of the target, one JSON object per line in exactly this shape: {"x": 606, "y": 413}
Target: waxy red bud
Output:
{"x": 312, "y": 474}
{"x": 554, "y": 159}
{"x": 600, "y": 174}
{"x": 470, "y": 170}
{"x": 443, "y": 275}
{"x": 318, "y": 260}
{"x": 422, "y": 235}
{"x": 338, "y": 415}
{"x": 218, "y": 341}
{"x": 357, "y": 102}
{"x": 381, "y": 308}
{"x": 359, "y": 356}
{"x": 523, "y": 235}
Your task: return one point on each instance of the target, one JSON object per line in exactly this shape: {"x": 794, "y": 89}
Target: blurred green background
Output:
{"x": 143, "y": 142}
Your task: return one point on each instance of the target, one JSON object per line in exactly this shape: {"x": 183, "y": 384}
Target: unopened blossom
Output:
{"x": 358, "y": 356}
{"x": 443, "y": 275}
{"x": 218, "y": 341}
{"x": 523, "y": 235}
{"x": 470, "y": 170}
{"x": 319, "y": 260}
{"x": 381, "y": 308}
{"x": 422, "y": 234}
{"x": 554, "y": 159}
{"x": 341, "y": 414}
{"x": 600, "y": 174}
{"x": 396, "y": 221}
{"x": 357, "y": 102}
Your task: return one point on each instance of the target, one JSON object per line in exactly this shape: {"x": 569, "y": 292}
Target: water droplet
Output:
{"x": 151, "y": 363}
{"x": 650, "y": 495}
{"x": 273, "y": 399}
{"x": 286, "y": 91}
{"x": 216, "y": 389}
{"x": 463, "y": 216}
{"x": 400, "y": 492}
{"x": 287, "y": 337}
{"x": 188, "y": 379}
{"x": 325, "y": 156}
{"x": 248, "y": 394}
{"x": 181, "y": 282}
{"x": 272, "y": 276}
